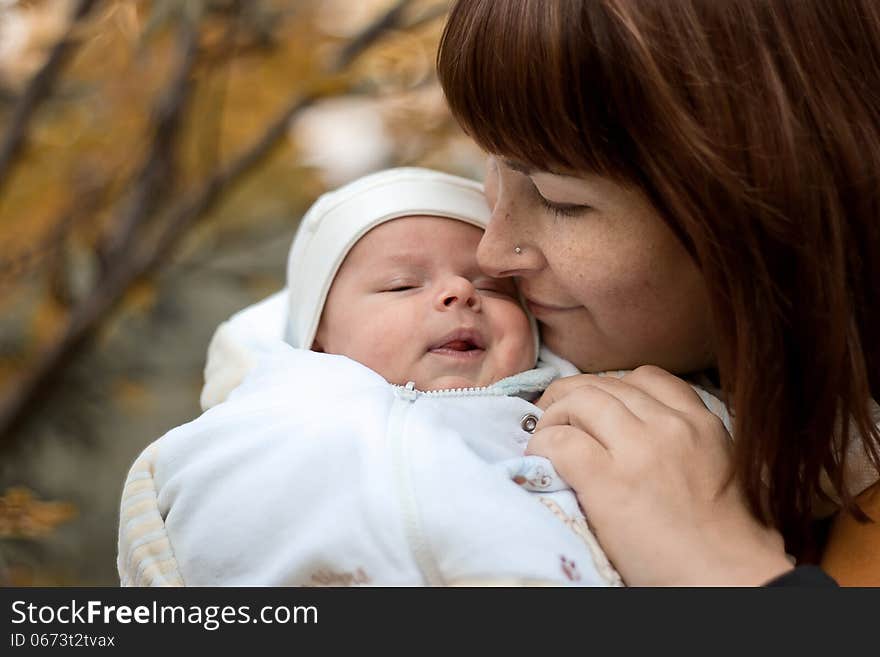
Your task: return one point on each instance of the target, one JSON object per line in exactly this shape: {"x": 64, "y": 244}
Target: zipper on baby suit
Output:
{"x": 415, "y": 535}
{"x": 404, "y": 398}
{"x": 409, "y": 392}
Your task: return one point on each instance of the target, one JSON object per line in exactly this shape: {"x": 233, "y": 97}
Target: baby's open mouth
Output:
{"x": 459, "y": 343}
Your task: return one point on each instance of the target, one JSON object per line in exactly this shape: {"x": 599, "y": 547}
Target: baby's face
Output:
{"x": 410, "y": 303}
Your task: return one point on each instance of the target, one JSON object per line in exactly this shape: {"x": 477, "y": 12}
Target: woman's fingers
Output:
{"x": 655, "y": 384}
{"x": 637, "y": 400}
{"x": 561, "y": 387}
{"x": 575, "y": 455}
{"x": 646, "y": 447}
{"x": 665, "y": 388}
{"x": 598, "y": 409}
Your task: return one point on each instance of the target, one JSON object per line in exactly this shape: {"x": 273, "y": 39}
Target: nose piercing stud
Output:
{"x": 517, "y": 250}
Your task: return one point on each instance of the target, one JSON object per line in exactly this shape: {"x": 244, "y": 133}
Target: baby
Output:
{"x": 410, "y": 303}
{"x": 381, "y": 441}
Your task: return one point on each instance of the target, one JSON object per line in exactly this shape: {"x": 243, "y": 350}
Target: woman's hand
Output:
{"x": 649, "y": 463}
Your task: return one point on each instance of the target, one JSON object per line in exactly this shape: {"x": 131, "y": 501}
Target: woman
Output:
{"x": 692, "y": 185}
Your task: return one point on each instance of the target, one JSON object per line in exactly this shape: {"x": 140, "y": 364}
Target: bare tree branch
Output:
{"x": 388, "y": 20}
{"x": 88, "y": 199}
{"x": 158, "y": 167}
{"x": 37, "y": 89}
{"x": 428, "y": 15}
{"x": 137, "y": 261}
{"x": 209, "y": 148}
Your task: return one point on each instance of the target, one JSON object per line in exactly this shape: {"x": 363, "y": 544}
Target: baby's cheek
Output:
{"x": 518, "y": 349}
{"x": 524, "y": 357}
{"x": 382, "y": 351}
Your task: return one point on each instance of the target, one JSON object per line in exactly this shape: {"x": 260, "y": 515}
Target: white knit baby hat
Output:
{"x": 338, "y": 219}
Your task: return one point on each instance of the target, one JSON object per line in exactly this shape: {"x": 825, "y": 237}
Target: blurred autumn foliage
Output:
{"x": 23, "y": 516}
{"x": 155, "y": 157}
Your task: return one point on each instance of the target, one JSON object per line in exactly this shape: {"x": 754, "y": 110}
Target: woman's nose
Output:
{"x": 458, "y": 292}
{"x": 503, "y": 249}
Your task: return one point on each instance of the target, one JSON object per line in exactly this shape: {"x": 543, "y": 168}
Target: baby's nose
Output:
{"x": 459, "y": 291}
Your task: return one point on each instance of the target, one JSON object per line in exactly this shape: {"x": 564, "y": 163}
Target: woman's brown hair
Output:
{"x": 753, "y": 126}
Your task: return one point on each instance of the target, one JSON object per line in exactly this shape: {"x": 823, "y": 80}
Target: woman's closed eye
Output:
{"x": 557, "y": 208}
{"x": 563, "y": 209}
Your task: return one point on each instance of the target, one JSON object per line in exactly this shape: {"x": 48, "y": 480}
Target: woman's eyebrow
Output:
{"x": 521, "y": 167}
{"x": 529, "y": 170}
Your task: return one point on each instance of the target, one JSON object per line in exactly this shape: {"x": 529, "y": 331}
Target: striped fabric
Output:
{"x": 145, "y": 556}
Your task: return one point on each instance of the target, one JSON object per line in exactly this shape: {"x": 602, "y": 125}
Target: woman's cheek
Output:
{"x": 600, "y": 283}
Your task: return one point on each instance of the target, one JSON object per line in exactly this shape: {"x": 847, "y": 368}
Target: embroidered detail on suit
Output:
{"x": 537, "y": 478}
{"x": 580, "y": 527}
{"x": 569, "y": 567}
{"x": 331, "y": 578}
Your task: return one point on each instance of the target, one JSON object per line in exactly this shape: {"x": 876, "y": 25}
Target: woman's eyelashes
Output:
{"x": 563, "y": 209}
{"x": 558, "y": 209}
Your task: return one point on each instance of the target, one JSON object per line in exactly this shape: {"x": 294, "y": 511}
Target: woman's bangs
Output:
{"x": 516, "y": 78}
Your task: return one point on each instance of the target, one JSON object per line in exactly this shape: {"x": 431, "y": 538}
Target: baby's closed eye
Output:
{"x": 399, "y": 286}
{"x": 495, "y": 286}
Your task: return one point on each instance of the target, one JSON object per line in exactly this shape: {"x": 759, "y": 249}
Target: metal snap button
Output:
{"x": 528, "y": 422}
